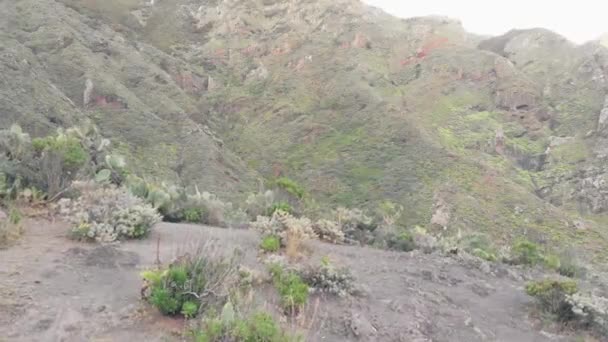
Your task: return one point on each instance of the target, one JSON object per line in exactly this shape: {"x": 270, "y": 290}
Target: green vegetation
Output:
{"x": 525, "y": 252}
{"x": 197, "y": 281}
{"x": 230, "y": 326}
{"x": 10, "y": 228}
{"x": 271, "y": 244}
{"x": 403, "y": 241}
{"x": 479, "y": 246}
{"x": 291, "y": 187}
{"x": 180, "y": 204}
{"x": 193, "y": 215}
{"x": 68, "y": 149}
{"x": 106, "y": 213}
{"x": 51, "y": 163}
{"x": 327, "y": 278}
{"x": 551, "y": 296}
{"x": 282, "y": 206}
{"x": 292, "y": 289}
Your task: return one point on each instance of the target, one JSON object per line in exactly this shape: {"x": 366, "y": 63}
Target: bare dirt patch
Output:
{"x": 55, "y": 289}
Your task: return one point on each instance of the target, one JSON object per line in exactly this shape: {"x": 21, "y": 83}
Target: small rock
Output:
{"x": 100, "y": 309}
{"x": 361, "y": 327}
{"x": 580, "y": 224}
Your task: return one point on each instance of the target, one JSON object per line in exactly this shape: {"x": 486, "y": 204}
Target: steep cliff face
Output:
{"x": 504, "y": 135}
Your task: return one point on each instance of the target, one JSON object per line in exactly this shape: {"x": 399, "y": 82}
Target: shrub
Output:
{"x": 568, "y": 265}
{"x": 390, "y": 213}
{"x": 484, "y": 254}
{"x": 68, "y": 148}
{"x": 291, "y": 187}
{"x": 280, "y": 206}
{"x": 329, "y": 231}
{"x": 357, "y": 226}
{"x": 285, "y": 226}
{"x": 51, "y": 163}
{"x": 236, "y": 218}
{"x": 479, "y": 246}
{"x": 195, "y": 281}
{"x": 176, "y": 204}
{"x": 107, "y": 213}
{"x": 551, "y": 296}
{"x": 259, "y": 203}
{"x": 551, "y": 261}
{"x": 230, "y": 326}
{"x": 10, "y": 227}
{"x": 292, "y": 289}
{"x": 590, "y": 311}
{"x": 403, "y": 241}
{"x": 525, "y": 252}
{"x": 193, "y": 215}
{"x": 328, "y": 279}
{"x": 271, "y": 244}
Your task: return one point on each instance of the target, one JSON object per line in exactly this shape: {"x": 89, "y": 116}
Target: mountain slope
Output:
{"x": 504, "y": 136}
{"x": 60, "y": 67}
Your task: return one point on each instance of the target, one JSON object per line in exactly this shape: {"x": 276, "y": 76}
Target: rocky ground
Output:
{"x": 56, "y": 289}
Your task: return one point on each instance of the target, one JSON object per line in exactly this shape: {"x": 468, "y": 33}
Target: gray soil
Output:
{"x": 56, "y": 289}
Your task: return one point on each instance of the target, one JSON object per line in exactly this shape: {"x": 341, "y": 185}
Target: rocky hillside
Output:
{"x": 503, "y": 136}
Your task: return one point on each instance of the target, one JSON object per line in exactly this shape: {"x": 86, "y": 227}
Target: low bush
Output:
{"x": 551, "y": 296}
{"x": 569, "y": 266}
{"x": 258, "y": 204}
{"x": 291, "y": 187}
{"x": 484, "y": 254}
{"x": 590, "y": 311}
{"x": 51, "y": 163}
{"x": 403, "y": 241}
{"x": 10, "y": 226}
{"x": 193, "y": 215}
{"x": 479, "y": 246}
{"x": 326, "y": 278}
{"x": 177, "y": 204}
{"x": 525, "y": 252}
{"x": 280, "y": 206}
{"x": 285, "y": 226}
{"x": 194, "y": 282}
{"x": 329, "y": 231}
{"x": 564, "y": 303}
{"x": 293, "y": 291}
{"x": 106, "y": 213}
{"x": 270, "y": 244}
{"x": 356, "y": 225}
{"x": 231, "y": 326}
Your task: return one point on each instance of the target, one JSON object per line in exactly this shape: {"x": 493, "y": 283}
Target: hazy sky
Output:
{"x": 578, "y": 20}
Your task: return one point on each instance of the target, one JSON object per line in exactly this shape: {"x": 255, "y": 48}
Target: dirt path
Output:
{"x": 55, "y": 289}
